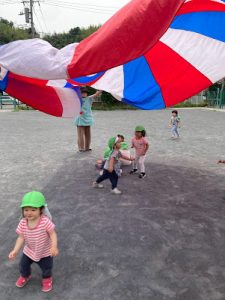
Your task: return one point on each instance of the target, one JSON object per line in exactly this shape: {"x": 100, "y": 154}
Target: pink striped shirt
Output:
{"x": 37, "y": 240}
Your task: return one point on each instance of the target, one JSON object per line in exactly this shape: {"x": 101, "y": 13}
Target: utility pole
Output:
{"x": 32, "y": 19}
{"x": 28, "y": 12}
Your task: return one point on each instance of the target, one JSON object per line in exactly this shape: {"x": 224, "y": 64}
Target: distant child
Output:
{"x": 221, "y": 161}
{"x": 112, "y": 164}
{"x": 141, "y": 146}
{"x": 175, "y": 124}
{"x": 85, "y": 120}
{"x": 37, "y": 233}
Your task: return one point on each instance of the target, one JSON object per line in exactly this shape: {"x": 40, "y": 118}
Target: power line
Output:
{"x": 73, "y": 7}
{"x": 81, "y": 6}
{"x": 88, "y": 4}
{"x": 9, "y": 2}
{"x": 39, "y": 23}
{"x": 43, "y": 18}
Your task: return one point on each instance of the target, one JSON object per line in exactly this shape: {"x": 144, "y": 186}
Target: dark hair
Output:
{"x": 175, "y": 112}
{"x": 143, "y": 133}
{"x": 83, "y": 89}
{"x": 120, "y": 136}
{"x": 41, "y": 210}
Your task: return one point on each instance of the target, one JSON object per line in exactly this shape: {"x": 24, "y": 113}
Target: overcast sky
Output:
{"x": 62, "y": 15}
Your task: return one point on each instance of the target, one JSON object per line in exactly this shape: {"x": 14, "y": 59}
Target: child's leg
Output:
{"x": 103, "y": 177}
{"x": 135, "y": 163}
{"x": 173, "y": 131}
{"x": 142, "y": 163}
{"x": 46, "y": 265}
{"x": 87, "y": 137}
{"x": 25, "y": 266}
{"x": 80, "y": 137}
{"x": 113, "y": 177}
{"x": 176, "y": 131}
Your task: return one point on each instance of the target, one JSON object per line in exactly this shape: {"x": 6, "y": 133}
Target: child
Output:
{"x": 141, "y": 146}
{"x": 124, "y": 149}
{"x": 85, "y": 120}
{"x": 37, "y": 233}
{"x": 111, "y": 169}
{"x": 175, "y": 124}
{"x": 221, "y": 161}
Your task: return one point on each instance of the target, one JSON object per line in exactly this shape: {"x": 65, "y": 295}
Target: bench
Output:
{"x": 7, "y": 100}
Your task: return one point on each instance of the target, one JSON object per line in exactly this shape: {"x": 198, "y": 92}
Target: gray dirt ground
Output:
{"x": 162, "y": 239}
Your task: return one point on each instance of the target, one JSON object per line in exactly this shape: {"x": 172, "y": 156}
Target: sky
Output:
{"x": 61, "y": 15}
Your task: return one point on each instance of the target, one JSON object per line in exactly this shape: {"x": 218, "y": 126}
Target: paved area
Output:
{"x": 162, "y": 239}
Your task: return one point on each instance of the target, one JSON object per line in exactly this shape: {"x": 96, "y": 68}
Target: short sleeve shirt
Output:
{"x": 37, "y": 240}
{"x": 86, "y": 116}
{"x": 139, "y": 145}
{"x": 175, "y": 121}
{"x": 116, "y": 155}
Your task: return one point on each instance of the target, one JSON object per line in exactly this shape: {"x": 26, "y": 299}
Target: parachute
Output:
{"x": 152, "y": 54}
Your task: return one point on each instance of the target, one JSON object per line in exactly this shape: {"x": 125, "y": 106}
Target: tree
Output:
{"x": 75, "y": 35}
{"x": 9, "y": 33}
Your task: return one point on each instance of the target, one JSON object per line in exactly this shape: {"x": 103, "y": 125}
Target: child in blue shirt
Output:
{"x": 85, "y": 120}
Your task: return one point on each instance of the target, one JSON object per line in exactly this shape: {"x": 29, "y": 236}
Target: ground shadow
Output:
{"x": 162, "y": 239}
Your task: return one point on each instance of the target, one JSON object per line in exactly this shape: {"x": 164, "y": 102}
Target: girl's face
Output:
{"x": 138, "y": 134}
{"x": 31, "y": 213}
{"x": 117, "y": 145}
{"x": 84, "y": 95}
{"x": 174, "y": 115}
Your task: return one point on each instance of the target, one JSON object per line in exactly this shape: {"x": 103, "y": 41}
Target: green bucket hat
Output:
{"x": 111, "y": 142}
{"x": 33, "y": 199}
{"x": 139, "y": 128}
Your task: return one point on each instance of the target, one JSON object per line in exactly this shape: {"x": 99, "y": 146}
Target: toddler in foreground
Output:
{"x": 37, "y": 233}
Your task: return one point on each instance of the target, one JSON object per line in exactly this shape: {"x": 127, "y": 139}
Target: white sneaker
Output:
{"x": 97, "y": 185}
{"x": 116, "y": 191}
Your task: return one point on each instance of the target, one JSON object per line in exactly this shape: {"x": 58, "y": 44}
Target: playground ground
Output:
{"x": 163, "y": 239}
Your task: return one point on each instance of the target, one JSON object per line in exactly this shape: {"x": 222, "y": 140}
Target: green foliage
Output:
{"x": 9, "y": 33}
{"x": 189, "y": 104}
{"x": 108, "y": 98}
{"x": 75, "y": 35}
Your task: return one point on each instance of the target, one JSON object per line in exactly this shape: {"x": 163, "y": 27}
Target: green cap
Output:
{"x": 139, "y": 128}
{"x": 33, "y": 199}
{"x": 111, "y": 142}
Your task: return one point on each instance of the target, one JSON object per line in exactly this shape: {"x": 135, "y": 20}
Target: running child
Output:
{"x": 175, "y": 124}
{"x": 37, "y": 233}
{"x": 141, "y": 146}
{"x": 112, "y": 166}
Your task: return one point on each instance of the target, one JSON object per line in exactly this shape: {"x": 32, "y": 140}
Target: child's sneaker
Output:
{"x": 97, "y": 185}
{"x": 133, "y": 171}
{"x": 46, "y": 284}
{"x": 116, "y": 191}
{"x": 142, "y": 175}
{"x": 22, "y": 281}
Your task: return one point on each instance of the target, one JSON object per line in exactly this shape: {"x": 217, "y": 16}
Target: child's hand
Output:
{"x": 132, "y": 158}
{"x": 12, "y": 255}
{"x": 54, "y": 251}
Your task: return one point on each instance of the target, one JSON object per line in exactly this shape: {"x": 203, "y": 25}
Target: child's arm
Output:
{"x": 54, "y": 248}
{"x": 111, "y": 164}
{"x": 18, "y": 245}
{"x": 98, "y": 93}
{"x": 146, "y": 147}
{"x": 127, "y": 158}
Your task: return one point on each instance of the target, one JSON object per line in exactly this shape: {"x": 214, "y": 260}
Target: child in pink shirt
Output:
{"x": 36, "y": 233}
{"x": 141, "y": 146}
